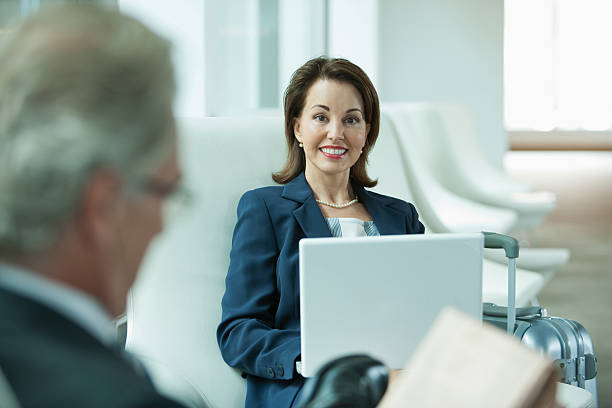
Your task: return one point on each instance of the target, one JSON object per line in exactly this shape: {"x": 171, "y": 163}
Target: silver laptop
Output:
{"x": 379, "y": 295}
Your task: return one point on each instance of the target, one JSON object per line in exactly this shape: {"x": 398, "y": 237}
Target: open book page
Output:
{"x": 463, "y": 363}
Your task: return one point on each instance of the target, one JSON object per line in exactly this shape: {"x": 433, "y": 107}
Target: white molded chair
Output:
{"x": 175, "y": 304}
{"x": 443, "y": 210}
{"x": 462, "y": 167}
{"x": 388, "y": 165}
{"x": 545, "y": 261}
{"x": 413, "y": 123}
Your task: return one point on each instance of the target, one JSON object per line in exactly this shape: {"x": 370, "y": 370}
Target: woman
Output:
{"x": 331, "y": 123}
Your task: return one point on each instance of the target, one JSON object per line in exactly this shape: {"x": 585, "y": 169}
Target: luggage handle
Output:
{"x": 511, "y": 247}
{"x": 494, "y": 240}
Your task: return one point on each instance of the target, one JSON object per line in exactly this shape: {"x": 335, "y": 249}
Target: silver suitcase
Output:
{"x": 565, "y": 341}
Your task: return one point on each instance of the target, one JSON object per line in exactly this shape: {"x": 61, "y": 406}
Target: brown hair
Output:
{"x": 303, "y": 78}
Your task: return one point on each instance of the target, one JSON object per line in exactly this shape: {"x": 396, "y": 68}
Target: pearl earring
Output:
{"x": 301, "y": 145}
{"x": 361, "y": 151}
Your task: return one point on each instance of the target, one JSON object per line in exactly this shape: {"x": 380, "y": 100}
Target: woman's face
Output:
{"x": 331, "y": 127}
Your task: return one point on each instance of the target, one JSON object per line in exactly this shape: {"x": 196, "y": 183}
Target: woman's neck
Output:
{"x": 334, "y": 188}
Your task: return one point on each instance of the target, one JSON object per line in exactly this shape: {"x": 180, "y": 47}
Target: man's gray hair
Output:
{"x": 81, "y": 88}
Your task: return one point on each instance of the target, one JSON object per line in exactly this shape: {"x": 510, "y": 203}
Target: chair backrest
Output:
{"x": 396, "y": 165}
{"x": 443, "y": 210}
{"x": 387, "y": 165}
{"x": 175, "y": 304}
{"x": 464, "y": 156}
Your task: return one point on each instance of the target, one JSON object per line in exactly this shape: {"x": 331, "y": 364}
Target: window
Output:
{"x": 558, "y": 69}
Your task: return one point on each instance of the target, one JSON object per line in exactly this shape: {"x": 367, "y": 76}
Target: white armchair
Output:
{"x": 426, "y": 151}
{"x": 463, "y": 168}
{"x": 444, "y": 210}
{"x": 387, "y": 163}
{"x": 175, "y": 304}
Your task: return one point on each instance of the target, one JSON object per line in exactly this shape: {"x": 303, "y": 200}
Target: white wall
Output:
{"x": 216, "y": 51}
{"x": 446, "y": 50}
{"x": 184, "y": 26}
{"x": 231, "y": 34}
{"x": 352, "y": 31}
{"x": 301, "y": 36}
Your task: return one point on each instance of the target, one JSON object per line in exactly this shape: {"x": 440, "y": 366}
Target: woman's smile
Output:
{"x": 333, "y": 152}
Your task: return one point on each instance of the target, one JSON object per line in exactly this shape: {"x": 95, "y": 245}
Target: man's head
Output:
{"x": 87, "y": 147}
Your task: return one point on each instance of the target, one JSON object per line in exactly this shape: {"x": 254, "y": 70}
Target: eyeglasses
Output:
{"x": 177, "y": 198}
{"x": 162, "y": 189}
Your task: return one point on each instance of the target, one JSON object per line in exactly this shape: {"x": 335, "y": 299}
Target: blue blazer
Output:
{"x": 260, "y": 328}
{"x": 50, "y": 361}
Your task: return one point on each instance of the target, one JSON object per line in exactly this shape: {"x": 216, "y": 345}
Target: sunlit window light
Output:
{"x": 557, "y": 65}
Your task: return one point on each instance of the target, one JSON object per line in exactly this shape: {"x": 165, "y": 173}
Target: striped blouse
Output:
{"x": 351, "y": 227}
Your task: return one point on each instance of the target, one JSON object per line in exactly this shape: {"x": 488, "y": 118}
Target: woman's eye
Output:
{"x": 320, "y": 118}
{"x": 351, "y": 120}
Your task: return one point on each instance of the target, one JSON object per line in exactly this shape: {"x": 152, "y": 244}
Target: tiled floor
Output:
{"x": 582, "y": 222}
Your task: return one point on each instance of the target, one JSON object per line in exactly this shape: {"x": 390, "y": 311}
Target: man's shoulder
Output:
{"x": 46, "y": 358}
{"x": 21, "y": 316}
{"x": 50, "y": 360}
{"x": 92, "y": 383}
{"x": 28, "y": 324}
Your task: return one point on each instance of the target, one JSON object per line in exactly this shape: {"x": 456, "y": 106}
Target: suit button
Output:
{"x": 280, "y": 371}
{"x": 270, "y": 372}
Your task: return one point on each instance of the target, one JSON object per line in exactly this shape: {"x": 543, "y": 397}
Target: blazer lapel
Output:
{"x": 387, "y": 220}
{"x": 308, "y": 215}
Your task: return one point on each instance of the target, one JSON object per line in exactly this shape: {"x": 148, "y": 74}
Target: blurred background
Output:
{"x": 536, "y": 76}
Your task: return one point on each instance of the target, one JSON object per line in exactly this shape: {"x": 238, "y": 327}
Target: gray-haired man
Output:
{"x": 87, "y": 157}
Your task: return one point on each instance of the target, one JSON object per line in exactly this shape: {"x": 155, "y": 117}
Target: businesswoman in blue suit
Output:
{"x": 331, "y": 123}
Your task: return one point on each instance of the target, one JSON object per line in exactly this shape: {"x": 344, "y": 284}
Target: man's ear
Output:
{"x": 99, "y": 206}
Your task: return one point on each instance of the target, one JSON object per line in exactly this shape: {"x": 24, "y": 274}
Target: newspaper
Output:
{"x": 463, "y": 363}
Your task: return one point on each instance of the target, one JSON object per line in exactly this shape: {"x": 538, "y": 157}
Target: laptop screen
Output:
{"x": 379, "y": 295}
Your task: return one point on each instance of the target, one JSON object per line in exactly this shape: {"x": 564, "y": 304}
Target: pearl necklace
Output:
{"x": 343, "y": 205}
